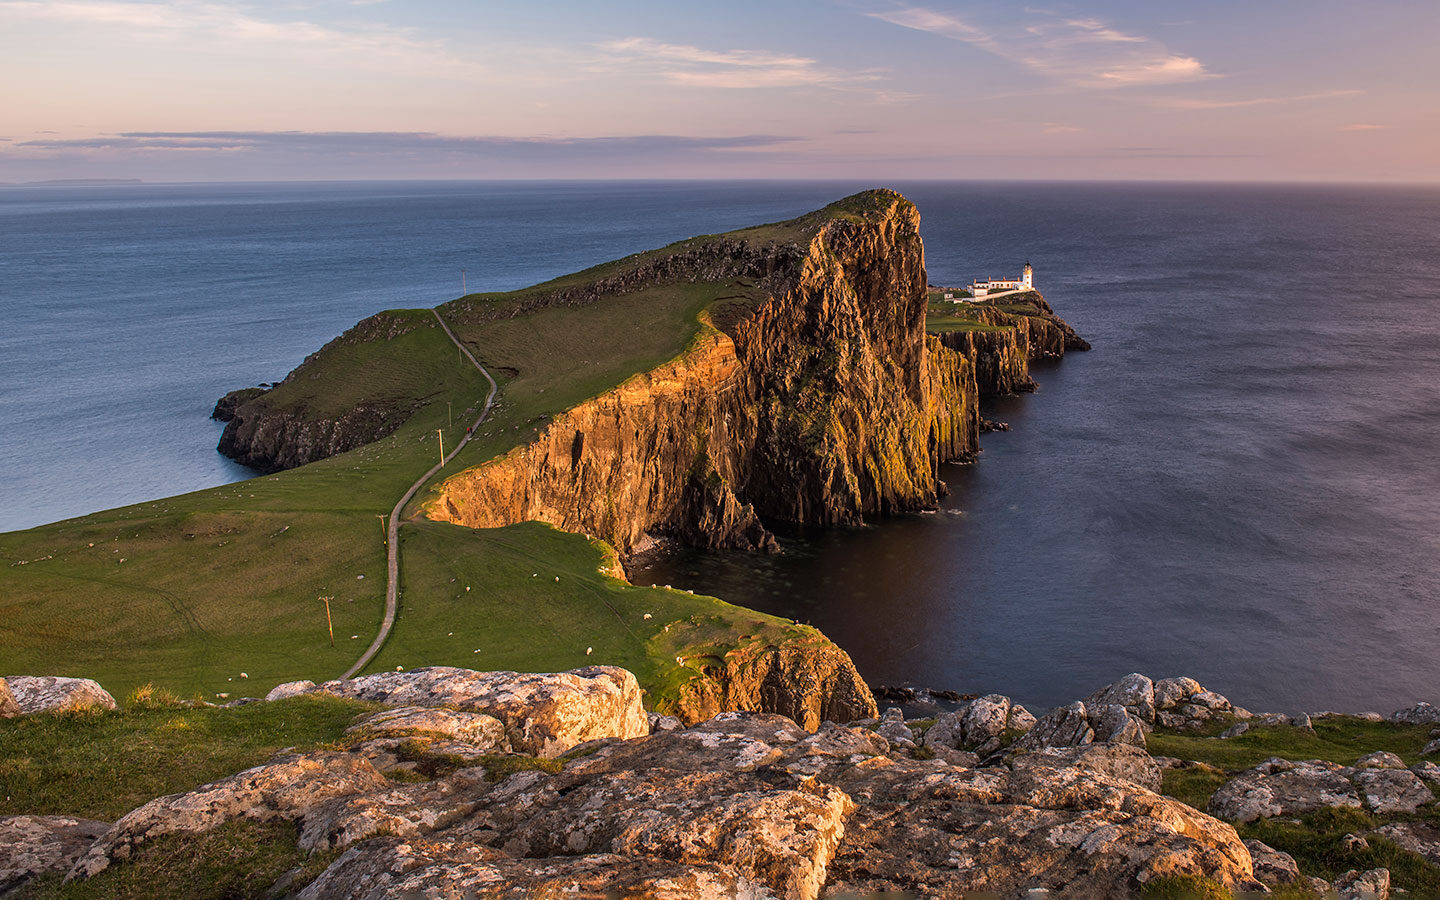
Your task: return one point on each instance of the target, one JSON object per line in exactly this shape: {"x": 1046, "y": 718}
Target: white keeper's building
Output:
{"x": 1026, "y": 282}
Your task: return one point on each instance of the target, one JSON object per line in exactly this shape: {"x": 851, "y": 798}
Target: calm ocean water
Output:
{"x": 1241, "y": 482}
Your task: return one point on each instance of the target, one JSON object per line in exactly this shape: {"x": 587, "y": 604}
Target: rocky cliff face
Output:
{"x": 270, "y": 435}
{"x": 1002, "y": 358}
{"x": 825, "y": 403}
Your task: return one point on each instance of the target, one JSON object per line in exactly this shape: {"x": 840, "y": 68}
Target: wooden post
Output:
{"x": 330, "y": 623}
{"x": 384, "y": 534}
{"x": 441, "y": 434}
{"x": 449, "y": 415}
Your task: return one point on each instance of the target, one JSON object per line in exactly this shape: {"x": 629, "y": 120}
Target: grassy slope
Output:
{"x": 1316, "y": 840}
{"x": 190, "y": 591}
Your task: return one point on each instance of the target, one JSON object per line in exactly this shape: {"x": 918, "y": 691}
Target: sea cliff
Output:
{"x": 822, "y": 402}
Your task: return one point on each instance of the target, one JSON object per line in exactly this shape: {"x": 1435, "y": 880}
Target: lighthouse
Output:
{"x": 1027, "y": 277}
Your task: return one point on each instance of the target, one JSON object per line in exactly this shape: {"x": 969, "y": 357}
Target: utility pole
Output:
{"x": 440, "y": 433}
{"x": 384, "y": 535}
{"x": 330, "y": 623}
{"x": 449, "y": 415}
{"x": 463, "y": 292}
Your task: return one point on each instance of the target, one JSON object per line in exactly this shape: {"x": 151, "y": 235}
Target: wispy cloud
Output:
{"x": 1084, "y": 52}
{"x": 686, "y": 64}
{"x": 387, "y": 143}
{"x": 1203, "y": 103}
{"x": 1359, "y": 126}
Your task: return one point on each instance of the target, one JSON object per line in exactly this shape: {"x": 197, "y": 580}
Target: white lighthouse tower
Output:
{"x": 1027, "y": 277}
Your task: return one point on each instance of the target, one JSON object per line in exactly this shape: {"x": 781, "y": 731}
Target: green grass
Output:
{"x": 1316, "y": 842}
{"x": 102, "y": 764}
{"x": 515, "y": 614}
{"x": 238, "y": 861}
{"x": 191, "y": 591}
{"x": 1341, "y": 739}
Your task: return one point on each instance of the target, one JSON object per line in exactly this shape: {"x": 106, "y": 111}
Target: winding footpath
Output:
{"x": 392, "y": 539}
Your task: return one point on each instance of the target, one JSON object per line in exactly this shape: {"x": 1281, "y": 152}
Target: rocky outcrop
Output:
{"x": 809, "y": 680}
{"x": 282, "y": 428}
{"x": 38, "y": 845}
{"x": 49, "y": 693}
{"x": 543, "y": 714}
{"x": 1420, "y": 714}
{"x": 281, "y": 790}
{"x": 824, "y": 403}
{"x": 980, "y": 725}
{"x": 1279, "y": 787}
{"x": 1001, "y": 353}
{"x": 743, "y": 804}
{"x": 225, "y": 407}
{"x": 1273, "y": 868}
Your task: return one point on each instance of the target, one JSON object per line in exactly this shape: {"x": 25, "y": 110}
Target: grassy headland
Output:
{"x": 191, "y": 591}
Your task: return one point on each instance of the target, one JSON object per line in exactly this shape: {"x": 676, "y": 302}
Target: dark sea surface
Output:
{"x": 1241, "y": 482}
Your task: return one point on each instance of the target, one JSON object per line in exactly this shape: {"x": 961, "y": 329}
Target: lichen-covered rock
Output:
{"x": 8, "y": 707}
{"x": 1273, "y": 868}
{"x": 1135, "y": 692}
{"x": 1064, "y": 726}
{"x": 1373, "y": 884}
{"x": 893, "y": 728}
{"x": 1391, "y": 790}
{"x": 1172, "y": 692}
{"x": 1380, "y": 759}
{"x": 405, "y": 811}
{"x": 396, "y": 868}
{"x": 929, "y": 830}
{"x": 1421, "y": 713}
{"x": 979, "y": 724}
{"x": 37, "y": 845}
{"x": 481, "y": 731}
{"x": 286, "y": 788}
{"x": 544, "y": 714}
{"x": 1417, "y": 837}
{"x": 290, "y": 689}
{"x": 49, "y": 693}
{"x": 1279, "y": 787}
{"x": 1123, "y": 761}
{"x": 1428, "y": 772}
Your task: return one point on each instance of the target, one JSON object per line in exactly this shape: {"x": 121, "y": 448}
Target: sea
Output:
{"x": 1240, "y": 482}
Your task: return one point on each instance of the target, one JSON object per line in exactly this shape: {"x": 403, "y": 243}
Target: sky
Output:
{"x": 216, "y": 90}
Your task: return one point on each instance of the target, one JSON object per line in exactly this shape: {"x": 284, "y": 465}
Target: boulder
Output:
{"x": 1421, "y": 713}
{"x": 544, "y": 714}
{"x": 9, "y": 708}
{"x": 1172, "y": 692}
{"x": 408, "y": 811}
{"x": 483, "y": 732}
{"x": 283, "y": 789}
{"x": 1278, "y": 787}
{"x": 50, "y": 693}
{"x": 664, "y": 723}
{"x": 1135, "y": 692}
{"x": 290, "y": 689}
{"x": 979, "y": 725}
{"x": 1369, "y": 885}
{"x": 1427, "y": 772}
{"x": 1431, "y": 748}
{"x": 1273, "y": 868}
{"x": 893, "y": 728}
{"x": 1380, "y": 759}
{"x": 1235, "y": 730}
{"x": 37, "y": 845}
{"x": 1064, "y": 726}
{"x": 1079, "y": 724}
{"x": 1391, "y": 790}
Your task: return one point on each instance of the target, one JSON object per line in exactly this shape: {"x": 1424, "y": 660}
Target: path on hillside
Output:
{"x": 392, "y": 538}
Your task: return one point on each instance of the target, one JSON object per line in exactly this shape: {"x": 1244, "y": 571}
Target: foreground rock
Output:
{"x": 543, "y": 714}
{"x": 981, "y": 725}
{"x": 49, "y": 693}
{"x": 1278, "y": 787}
{"x": 37, "y": 845}
{"x": 743, "y": 805}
